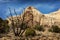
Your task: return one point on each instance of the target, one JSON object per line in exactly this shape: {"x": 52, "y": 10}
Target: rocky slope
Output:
{"x": 55, "y": 14}
{"x": 55, "y": 17}
{"x": 32, "y": 16}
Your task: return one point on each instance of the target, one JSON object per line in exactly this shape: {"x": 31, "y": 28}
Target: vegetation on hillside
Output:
{"x": 55, "y": 29}
{"x": 4, "y": 28}
{"x": 30, "y": 32}
{"x": 39, "y": 28}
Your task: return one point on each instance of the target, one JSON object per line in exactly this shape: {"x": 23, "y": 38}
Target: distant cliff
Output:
{"x": 32, "y": 17}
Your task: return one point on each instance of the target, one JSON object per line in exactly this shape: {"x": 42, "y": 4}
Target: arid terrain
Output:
{"x": 31, "y": 16}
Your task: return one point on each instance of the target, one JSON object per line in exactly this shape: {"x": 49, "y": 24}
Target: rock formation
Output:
{"x": 32, "y": 17}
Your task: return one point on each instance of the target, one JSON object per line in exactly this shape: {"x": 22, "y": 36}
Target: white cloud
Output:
{"x": 19, "y": 9}
{"x": 7, "y": 0}
{"x": 45, "y": 6}
{"x": 38, "y": 5}
{"x": 4, "y": 1}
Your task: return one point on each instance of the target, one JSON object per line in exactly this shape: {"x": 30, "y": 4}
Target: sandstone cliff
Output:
{"x": 32, "y": 17}
{"x": 55, "y": 17}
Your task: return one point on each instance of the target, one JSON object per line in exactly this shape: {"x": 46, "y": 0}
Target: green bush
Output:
{"x": 39, "y": 28}
{"x": 55, "y": 29}
{"x": 4, "y": 28}
{"x": 23, "y": 26}
{"x": 30, "y": 32}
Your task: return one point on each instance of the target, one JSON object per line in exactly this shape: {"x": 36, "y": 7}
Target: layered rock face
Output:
{"x": 55, "y": 17}
{"x": 32, "y": 16}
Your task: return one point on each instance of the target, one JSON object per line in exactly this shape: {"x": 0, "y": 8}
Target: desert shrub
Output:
{"x": 4, "y": 28}
{"x": 55, "y": 29}
{"x": 39, "y": 28}
{"x": 23, "y": 26}
{"x": 30, "y": 32}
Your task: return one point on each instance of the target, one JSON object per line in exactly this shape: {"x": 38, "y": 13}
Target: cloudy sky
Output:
{"x": 44, "y": 6}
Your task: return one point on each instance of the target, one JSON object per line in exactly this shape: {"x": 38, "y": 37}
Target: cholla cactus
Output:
{"x": 19, "y": 26}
